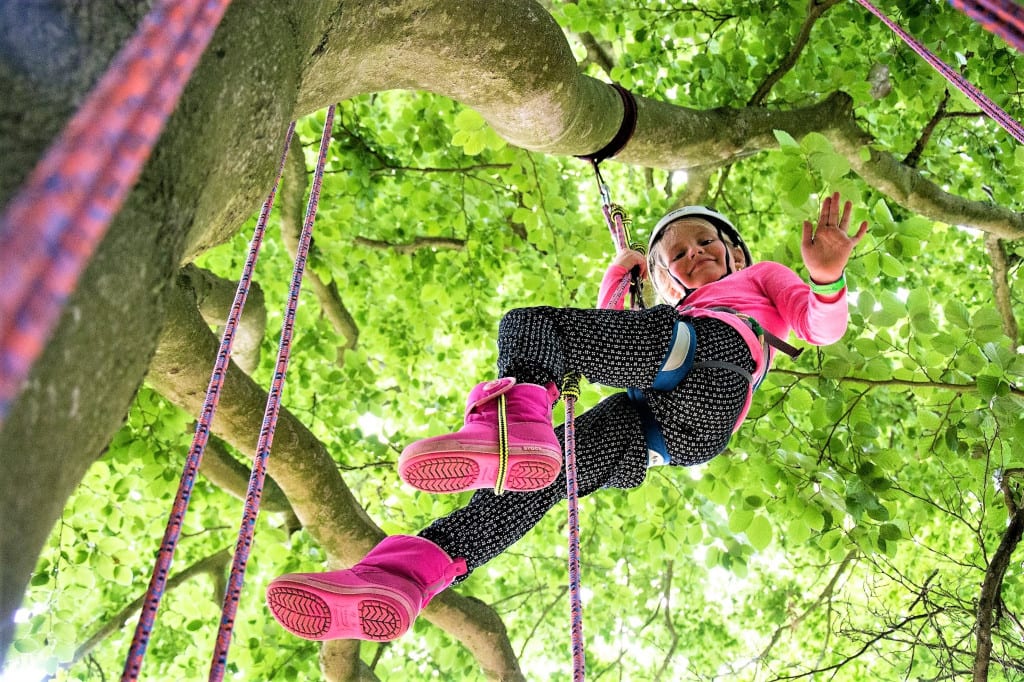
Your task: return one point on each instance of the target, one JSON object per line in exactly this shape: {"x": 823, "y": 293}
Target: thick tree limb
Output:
{"x": 308, "y": 476}
{"x": 910, "y": 189}
{"x": 214, "y": 296}
{"x": 558, "y": 110}
{"x": 233, "y": 477}
{"x": 340, "y": 662}
{"x": 1001, "y": 287}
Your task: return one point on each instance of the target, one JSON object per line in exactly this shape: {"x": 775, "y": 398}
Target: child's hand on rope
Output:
{"x": 827, "y": 247}
{"x": 630, "y": 259}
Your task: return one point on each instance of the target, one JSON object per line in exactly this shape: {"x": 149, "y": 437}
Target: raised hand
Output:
{"x": 827, "y": 247}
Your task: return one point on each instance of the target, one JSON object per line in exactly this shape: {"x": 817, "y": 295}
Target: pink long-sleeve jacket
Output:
{"x": 770, "y": 293}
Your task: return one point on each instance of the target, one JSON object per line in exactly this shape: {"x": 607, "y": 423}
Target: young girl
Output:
{"x": 689, "y": 370}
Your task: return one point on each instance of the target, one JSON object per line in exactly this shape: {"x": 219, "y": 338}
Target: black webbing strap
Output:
{"x": 626, "y": 129}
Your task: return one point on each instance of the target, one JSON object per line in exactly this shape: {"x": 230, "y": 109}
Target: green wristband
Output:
{"x": 831, "y": 288}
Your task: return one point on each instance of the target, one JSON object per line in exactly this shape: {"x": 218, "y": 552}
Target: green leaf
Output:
{"x": 740, "y": 519}
{"x": 890, "y": 532}
{"x": 759, "y": 532}
{"x": 786, "y": 140}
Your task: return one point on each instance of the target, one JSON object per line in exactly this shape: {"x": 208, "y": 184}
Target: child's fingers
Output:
{"x": 844, "y": 221}
{"x": 808, "y": 232}
{"x": 823, "y": 216}
{"x": 833, "y": 209}
{"x": 863, "y": 230}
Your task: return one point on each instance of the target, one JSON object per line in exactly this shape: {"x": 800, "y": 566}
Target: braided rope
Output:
{"x": 259, "y": 468}
{"x": 988, "y": 106}
{"x": 570, "y": 393}
{"x": 499, "y": 484}
{"x": 52, "y": 226}
{"x": 1004, "y": 18}
{"x": 179, "y": 508}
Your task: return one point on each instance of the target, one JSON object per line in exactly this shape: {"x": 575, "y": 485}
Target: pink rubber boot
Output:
{"x": 470, "y": 458}
{"x": 377, "y": 599}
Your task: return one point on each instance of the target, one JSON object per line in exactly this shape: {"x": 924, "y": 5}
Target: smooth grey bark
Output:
{"x": 268, "y": 63}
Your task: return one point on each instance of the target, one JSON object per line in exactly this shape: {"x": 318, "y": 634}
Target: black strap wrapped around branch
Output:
{"x": 618, "y": 143}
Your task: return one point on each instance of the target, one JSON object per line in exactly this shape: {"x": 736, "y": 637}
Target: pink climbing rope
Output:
{"x": 1008, "y": 123}
{"x": 570, "y": 393}
{"x": 615, "y": 219}
{"x": 52, "y": 226}
{"x": 266, "y": 439}
{"x": 179, "y": 508}
{"x": 1004, "y": 18}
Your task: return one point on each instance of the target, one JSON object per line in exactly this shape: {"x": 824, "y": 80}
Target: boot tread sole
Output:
{"x": 449, "y": 473}
{"x": 306, "y": 614}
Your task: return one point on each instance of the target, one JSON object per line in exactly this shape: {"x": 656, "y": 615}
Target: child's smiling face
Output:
{"x": 689, "y": 255}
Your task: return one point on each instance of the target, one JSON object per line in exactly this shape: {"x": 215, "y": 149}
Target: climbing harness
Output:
{"x": 52, "y": 226}
{"x": 1008, "y": 123}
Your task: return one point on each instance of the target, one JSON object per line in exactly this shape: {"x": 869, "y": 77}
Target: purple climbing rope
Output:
{"x": 266, "y": 439}
{"x": 570, "y": 393}
{"x": 52, "y": 226}
{"x": 1004, "y": 18}
{"x": 988, "y": 106}
{"x": 165, "y": 555}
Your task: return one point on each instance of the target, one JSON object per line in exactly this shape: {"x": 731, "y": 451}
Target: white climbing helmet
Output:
{"x": 726, "y": 231}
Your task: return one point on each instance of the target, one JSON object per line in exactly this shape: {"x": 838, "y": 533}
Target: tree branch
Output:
{"x": 906, "y": 383}
{"x": 340, "y": 662}
{"x": 1001, "y": 287}
{"x": 669, "y": 624}
{"x": 824, "y": 595}
{"x": 233, "y": 477}
{"x": 815, "y": 10}
{"x": 992, "y": 585}
{"x": 213, "y": 564}
{"x": 215, "y": 295}
{"x": 293, "y": 192}
{"x": 417, "y": 244}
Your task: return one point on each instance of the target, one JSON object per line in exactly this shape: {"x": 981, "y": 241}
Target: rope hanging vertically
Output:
{"x": 266, "y": 439}
{"x": 1004, "y": 18}
{"x": 1008, "y": 123}
{"x": 570, "y": 392}
{"x": 52, "y": 226}
{"x": 162, "y": 567}
{"x": 616, "y": 220}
